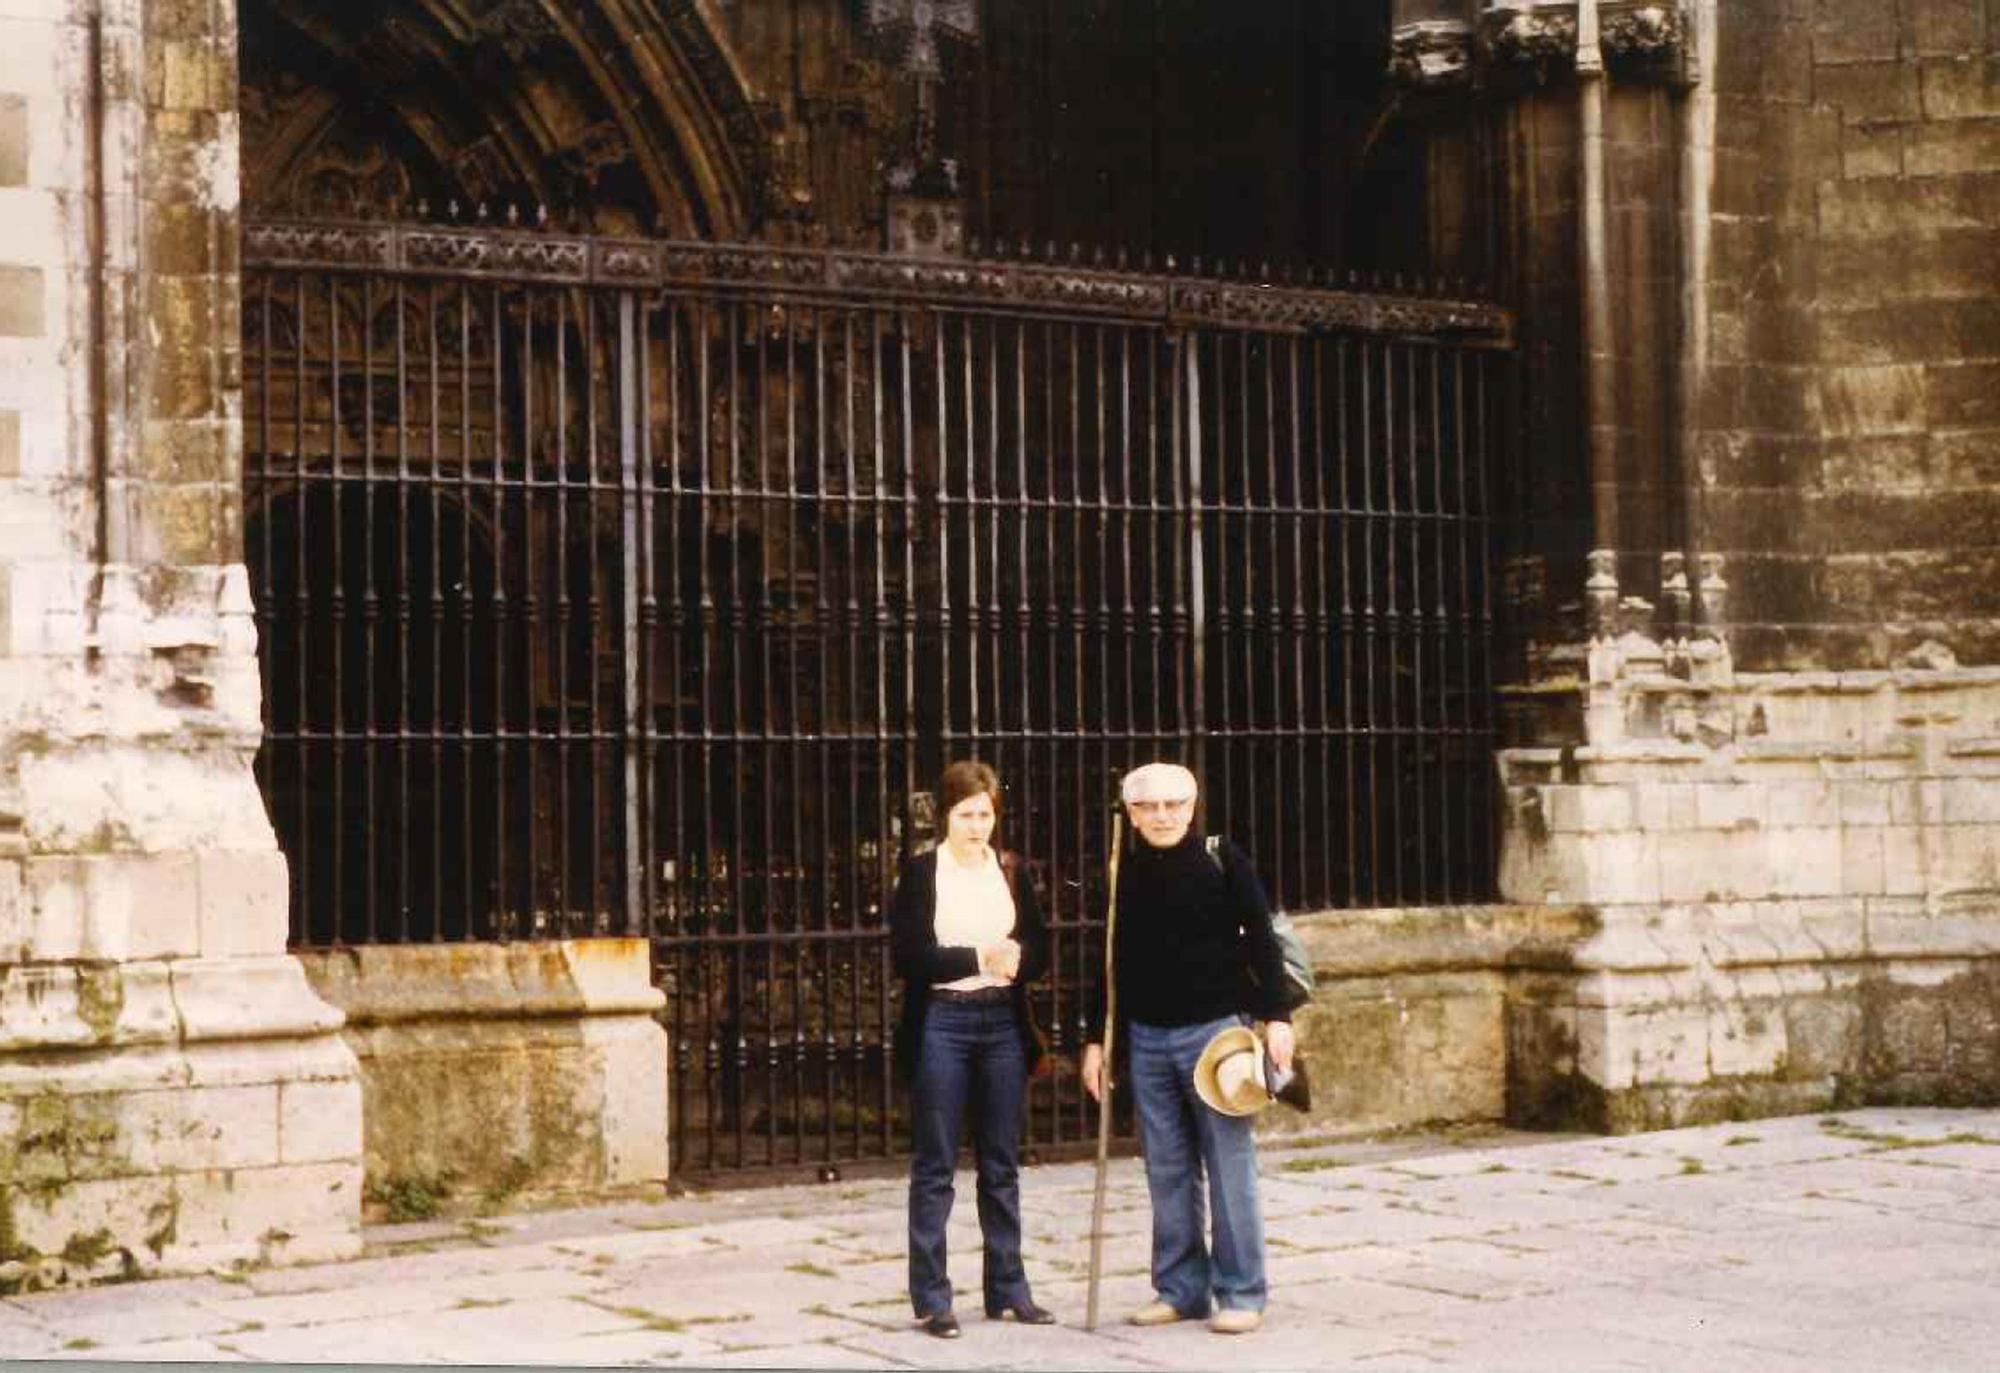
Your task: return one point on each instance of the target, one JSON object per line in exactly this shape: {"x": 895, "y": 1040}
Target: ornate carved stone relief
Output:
{"x": 1642, "y": 38}
{"x": 1434, "y": 53}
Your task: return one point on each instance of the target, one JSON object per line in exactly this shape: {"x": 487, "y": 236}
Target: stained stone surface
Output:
{"x": 1862, "y": 1240}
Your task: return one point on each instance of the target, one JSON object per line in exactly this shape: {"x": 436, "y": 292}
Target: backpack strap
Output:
{"x": 1212, "y": 846}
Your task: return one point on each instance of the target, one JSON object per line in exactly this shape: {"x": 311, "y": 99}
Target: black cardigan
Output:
{"x": 922, "y": 963}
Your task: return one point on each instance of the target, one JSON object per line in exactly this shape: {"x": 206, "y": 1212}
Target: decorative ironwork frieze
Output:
{"x": 530, "y": 256}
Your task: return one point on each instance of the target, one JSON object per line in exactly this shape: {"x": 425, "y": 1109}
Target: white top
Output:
{"x": 974, "y": 909}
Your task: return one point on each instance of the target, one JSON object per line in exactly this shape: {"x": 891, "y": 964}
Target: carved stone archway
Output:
{"x": 621, "y": 115}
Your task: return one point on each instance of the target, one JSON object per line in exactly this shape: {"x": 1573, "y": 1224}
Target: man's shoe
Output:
{"x": 1235, "y": 1321}
{"x": 942, "y": 1324}
{"x": 1155, "y": 1313}
{"x": 1024, "y": 1311}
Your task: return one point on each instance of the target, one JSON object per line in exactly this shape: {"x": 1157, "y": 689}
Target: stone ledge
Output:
{"x": 1431, "y": 940}
{"x": 382, "y": 984}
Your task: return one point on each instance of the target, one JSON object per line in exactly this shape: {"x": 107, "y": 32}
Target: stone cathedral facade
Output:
{"x": 1737, "y": 742}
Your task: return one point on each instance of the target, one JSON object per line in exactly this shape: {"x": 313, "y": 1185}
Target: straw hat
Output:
{"x": 1229, "y": 1075}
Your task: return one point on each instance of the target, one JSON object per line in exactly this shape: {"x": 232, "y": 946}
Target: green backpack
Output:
{"x": 1298, "y": 966}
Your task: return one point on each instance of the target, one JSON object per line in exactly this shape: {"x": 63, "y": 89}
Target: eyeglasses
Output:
{"x": 1163, "y": 807}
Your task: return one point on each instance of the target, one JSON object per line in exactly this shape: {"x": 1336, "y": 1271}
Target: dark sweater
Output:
{"x": 1194, "y": 944}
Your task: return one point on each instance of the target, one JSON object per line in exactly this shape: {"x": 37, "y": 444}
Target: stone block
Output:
{"x": 1622, "y": 1046}
{"x": 1806, "y": 862}
{"x": 22, "y": 309}
{"x": 1588, "y": 809}
{"x": 1872, "y": 400}
{"x": 1854, "y": 31}
{"x": 1729, "y": 806}
{"x": 1869, "y": 93}
{"x": 1917, "y": 803}
{"x": 1862, "y": 870}
{"x": 1969, "y": 801}
{"x": 112, "y": 906}
{"x": 1904, "y": 866}
{"x": 248, "y": 998}
{"x": 1872, "y": 151}
{"x": 1946, "y": 27}
{"x": 1961, "y": 87}
{"x": 245, "y": 903}
{"x": 1876, "y": 211}
{"x": 1802, "y": 805}
{"x": 1942, "y": 149}
{"x": 320, "y": 1122}
{"x": 1866, "y": 802}
{"x": 13, "y": 139}
{"x": 1856, "y": 273}
{"x": 1746, "y": 1037}
{"x": 1963, "y": 858}
{"x": 1717, "y": 865}
{"x": 10, "y": 444}
{"x": 1664, "y": 806}
{"x": 58, "y": 892}
{"x": 630, "y": 1056}
{"x": 1964, "y": 395}
{"x": 191, "y": 1129}
{"x": 267, "y": 1208}
{"x": 13, "y": 914}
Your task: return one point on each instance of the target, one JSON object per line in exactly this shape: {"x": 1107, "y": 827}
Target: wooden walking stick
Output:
{"x": 1104, "y": 1082}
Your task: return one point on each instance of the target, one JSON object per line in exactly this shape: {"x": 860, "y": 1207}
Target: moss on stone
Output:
{"x": 100, "y": 1000}
{"x": 165, "y": 1218}
{"x": 406, "y": 1197}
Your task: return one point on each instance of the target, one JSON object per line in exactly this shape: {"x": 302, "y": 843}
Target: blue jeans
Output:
{"x": 1183, "y": 1139}
{"x": 971, "y": 1054}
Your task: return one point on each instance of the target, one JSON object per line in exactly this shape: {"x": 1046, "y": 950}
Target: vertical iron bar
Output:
{"x": 366, "y": 726}
{"x": 636, "y": 640}
{"x": 337, "y": 732}
{"x": 307, "y": 911}
{"x": 403, "y": 625}
{"x": 1302, "y": 799}
{"x": 1369, "y": 621}
{"x": 559, "y": 568}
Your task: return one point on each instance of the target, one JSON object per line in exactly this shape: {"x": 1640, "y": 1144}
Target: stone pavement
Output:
{"x": 1866, "y": 1240}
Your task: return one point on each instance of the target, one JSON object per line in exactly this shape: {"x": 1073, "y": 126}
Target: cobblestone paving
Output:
{"x": 1865, "y": 1240}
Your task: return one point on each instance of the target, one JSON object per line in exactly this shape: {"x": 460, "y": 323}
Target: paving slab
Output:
{"x": 1840, "y": 1243}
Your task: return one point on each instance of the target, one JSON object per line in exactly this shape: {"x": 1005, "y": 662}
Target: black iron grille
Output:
{"x": 641, "y": 589}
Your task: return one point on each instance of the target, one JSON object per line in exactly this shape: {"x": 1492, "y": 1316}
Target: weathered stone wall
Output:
{"x": 1799, "y": 906}
{"x": 1412, "y": 1023}
{"x": 1847, "y": 426}
{"x": 172, "y": 1095}
{"x": 499, "y": 1074}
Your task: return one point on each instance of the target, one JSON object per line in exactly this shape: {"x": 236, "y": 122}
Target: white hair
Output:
{"x": 1158, "y": 782}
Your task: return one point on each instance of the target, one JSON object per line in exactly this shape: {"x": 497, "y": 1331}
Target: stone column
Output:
{"x": 173, "y": 1096}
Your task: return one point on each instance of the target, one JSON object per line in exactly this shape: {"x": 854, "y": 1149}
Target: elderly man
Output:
{"x": 1193, "y": 954}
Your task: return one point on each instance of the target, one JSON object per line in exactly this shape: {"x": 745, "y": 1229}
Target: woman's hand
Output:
{"x": 1002, "y": 960}
{"x": 1092, "y": 1071}
{"x": 1278, "y": 1037}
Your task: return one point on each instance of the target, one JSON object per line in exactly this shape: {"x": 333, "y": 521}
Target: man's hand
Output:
{"x": 1278, "y": 1037}
{"x": 1092, "y": 1071}
{"x": 1002, "y": 960}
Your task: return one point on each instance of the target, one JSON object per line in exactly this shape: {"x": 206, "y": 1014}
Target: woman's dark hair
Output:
{"x": 965, "y": 779}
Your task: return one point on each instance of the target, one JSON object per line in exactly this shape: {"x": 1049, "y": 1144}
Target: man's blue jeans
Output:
{"x": 971, "y": 1054}
{"x": 1182, "y": 1138}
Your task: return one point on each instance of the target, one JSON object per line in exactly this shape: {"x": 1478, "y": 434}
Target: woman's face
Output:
{"x": 1162, "y": 824}
{"x": 969, "y": 826}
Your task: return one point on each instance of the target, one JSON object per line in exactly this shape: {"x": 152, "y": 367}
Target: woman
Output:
{"x": 968, "y": 938}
